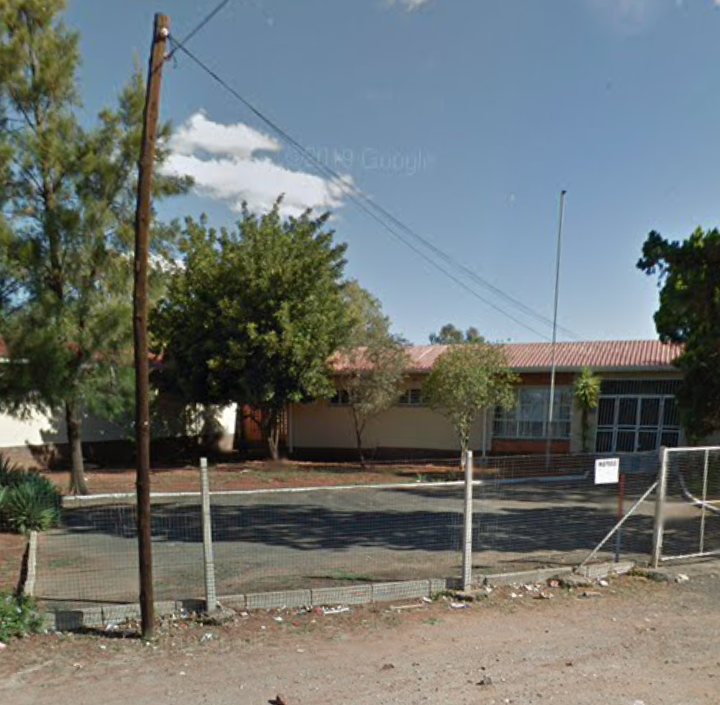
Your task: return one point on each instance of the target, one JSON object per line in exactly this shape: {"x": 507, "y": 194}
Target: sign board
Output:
{"x": 607, "y": 471}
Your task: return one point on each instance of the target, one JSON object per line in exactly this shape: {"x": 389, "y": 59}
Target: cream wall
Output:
{"x": 321, "y": 425}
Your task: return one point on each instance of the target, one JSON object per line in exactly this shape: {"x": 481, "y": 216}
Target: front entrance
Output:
{"x": 636, "y": 416}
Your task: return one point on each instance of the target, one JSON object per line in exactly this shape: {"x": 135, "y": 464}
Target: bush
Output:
{"x": 28, "y": 500}
{"x": 18, "y": 617}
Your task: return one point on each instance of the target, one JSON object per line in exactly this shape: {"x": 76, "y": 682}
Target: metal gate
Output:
{"x": 687, "y": 521}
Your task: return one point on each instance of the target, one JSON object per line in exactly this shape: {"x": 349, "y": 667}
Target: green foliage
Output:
{"x": 689, "y": 279}
{"x": 587, "y": 395}
{"x": 19, "y": 617}
{"x": 254, "y": 314}
{"x": 467, "y": 379}
{"x": 450, "y": 335}
{"x": 374, "y": 358}
{"x": 67, "y": 197}
{"x": 29, "y": 501}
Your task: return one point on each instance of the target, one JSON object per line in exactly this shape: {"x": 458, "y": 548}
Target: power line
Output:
{"x": 372, "y": 209}
{"x": 199, "y": 27}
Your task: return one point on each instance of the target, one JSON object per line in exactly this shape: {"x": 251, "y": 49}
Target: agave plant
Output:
{"x": 29, "y": 503}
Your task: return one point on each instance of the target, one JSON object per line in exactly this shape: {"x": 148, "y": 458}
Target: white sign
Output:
{"x": 607, "y": 471}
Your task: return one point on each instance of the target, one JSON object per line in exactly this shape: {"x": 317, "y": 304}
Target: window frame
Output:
{"x": 513, "y": 424}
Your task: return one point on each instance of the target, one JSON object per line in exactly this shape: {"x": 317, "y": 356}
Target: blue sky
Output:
{"x": 465, "y": 118}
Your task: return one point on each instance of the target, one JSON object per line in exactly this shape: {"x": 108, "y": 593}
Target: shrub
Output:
{"x": 28, "y": 500}
{"x": 18, "y": 617}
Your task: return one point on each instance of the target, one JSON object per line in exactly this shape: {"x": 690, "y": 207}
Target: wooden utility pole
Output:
{"x": 161, "y": 31}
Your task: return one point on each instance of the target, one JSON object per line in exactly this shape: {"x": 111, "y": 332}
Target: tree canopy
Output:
{"x": 375, "y": 359}
{"x": 67, "y": 198}
{"x": 450, "y": 335}
{"x": 688, "y": 274}
{"x": 467, "y": 379}
{"x": 254, "y": 314}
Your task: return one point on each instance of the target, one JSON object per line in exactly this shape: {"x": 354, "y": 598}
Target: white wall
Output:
{"x": 42, "y": 429}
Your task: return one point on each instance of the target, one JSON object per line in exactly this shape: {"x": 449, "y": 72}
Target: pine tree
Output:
{"x": 67, "y": 203}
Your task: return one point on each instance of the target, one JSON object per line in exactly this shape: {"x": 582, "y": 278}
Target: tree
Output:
{"x": 689, "y": 280}
{"x": 467, "y": 379}
{"x": 587, "y": 394}
{"x": 67, "y": 200}
{"x": 254, "y": 314}
{"x": 374, "y": 361}
{"x": 450, "y": 335}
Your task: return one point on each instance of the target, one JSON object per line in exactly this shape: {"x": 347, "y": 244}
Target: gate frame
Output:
{"x": 659, "y": 528}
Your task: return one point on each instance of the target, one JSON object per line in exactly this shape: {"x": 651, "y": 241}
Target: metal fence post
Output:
{"x": 468, "y": 522}
{"x": 659, "y": 526}
{"x": 208, "y": 561}
{"x": 706, "y": 464}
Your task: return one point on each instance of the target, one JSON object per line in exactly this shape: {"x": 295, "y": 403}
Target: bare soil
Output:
{"x": 253, "y": 475}
{"x": 12, "y": 547}
{"x": 634, "y": 642}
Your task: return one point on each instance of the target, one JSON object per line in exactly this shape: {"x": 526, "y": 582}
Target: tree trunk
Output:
{"x": 585, "y": 430}
{"x": 273, "y": 443}
{"x": 77, "y": 469}
{"x": 271, "y": 422}
{"x": 358, "y": 438}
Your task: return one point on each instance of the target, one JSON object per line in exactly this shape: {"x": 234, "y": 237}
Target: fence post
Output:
{"x": 468, "y": 522}
{"x": 208, "y": 561}
{"x": 659, "y": 527}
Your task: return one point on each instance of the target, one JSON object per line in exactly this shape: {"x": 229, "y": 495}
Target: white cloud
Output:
{"x": 200, "y": 134}
{"x": 633, "y": 16}
{"x": 224, "y": 163}
{"x": 409, "y": 5}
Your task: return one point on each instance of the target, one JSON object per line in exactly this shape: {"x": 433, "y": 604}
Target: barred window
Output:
{"x": 340, "y": 398}
{"x": 529, "y": 417}
{"x": 411, "y": 397}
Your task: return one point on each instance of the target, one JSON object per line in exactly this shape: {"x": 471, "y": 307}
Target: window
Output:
{"x": 340, "y": 398}
{"x": 529, "y": 417}
{"x": 637, "y": 415}
{"x": 411, "y": 397}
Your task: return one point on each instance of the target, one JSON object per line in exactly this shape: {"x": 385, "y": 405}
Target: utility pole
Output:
{"x": 551, "y": 402}
{"x": 161, "y": 31}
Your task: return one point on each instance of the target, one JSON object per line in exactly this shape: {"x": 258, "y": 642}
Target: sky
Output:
{"x": 463, "y": 118}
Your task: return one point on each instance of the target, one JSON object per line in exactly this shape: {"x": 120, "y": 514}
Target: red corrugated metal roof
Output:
{"x": 600, "y": 355}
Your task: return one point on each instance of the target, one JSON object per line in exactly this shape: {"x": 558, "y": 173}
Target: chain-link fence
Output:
{"x": 528, "y": 512}
{"x": 689, "y": 521}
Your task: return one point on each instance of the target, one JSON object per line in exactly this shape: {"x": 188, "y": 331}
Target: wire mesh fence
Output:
{"x": 528, "y": 512}
{"x": 535, "y": 512}
{"x": 691, "y": 516}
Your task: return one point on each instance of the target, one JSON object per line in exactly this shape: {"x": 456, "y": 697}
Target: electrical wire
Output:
{"x": 377, "y": 212}
{"x": 200, "y": 26}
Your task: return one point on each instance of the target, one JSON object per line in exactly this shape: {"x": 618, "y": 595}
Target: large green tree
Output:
{"x": 451, "y": 335}
{"x": 67, "y": 199}
{"x": 467, "y": 379}
{"x": 374, "y": 359}
{"x": 688, "y": 274}
{"x": 254, "y": 314}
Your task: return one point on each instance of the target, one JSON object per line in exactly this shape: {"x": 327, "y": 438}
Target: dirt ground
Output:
{"x": 639, "y": 642}
{"x": 11, "y": 551}
{"x": 252, "y": 475}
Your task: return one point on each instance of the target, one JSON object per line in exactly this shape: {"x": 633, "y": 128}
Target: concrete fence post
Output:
{"x": 468, "y": 522}
{"x": 31, "y": 564}
{"x": 208, "y": 561}
{"x": 659, "y": 527}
